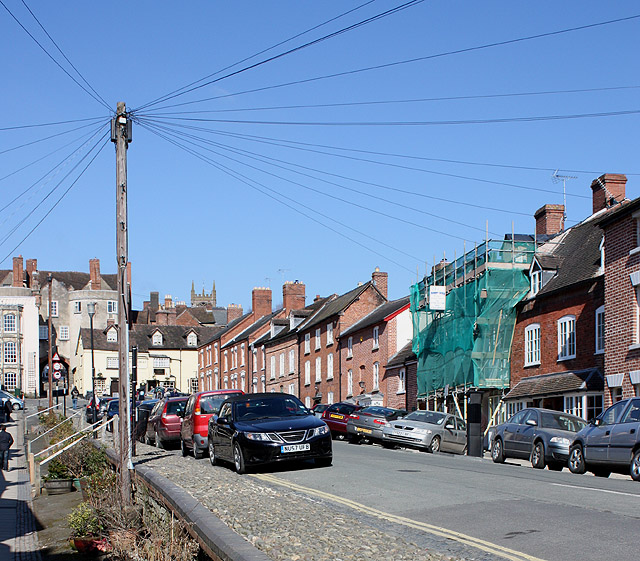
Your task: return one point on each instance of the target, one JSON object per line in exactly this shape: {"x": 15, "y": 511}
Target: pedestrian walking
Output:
{"x": 8, "y": 409}
{"x": 74, "y": 397}
{"x": 6, "y": 441}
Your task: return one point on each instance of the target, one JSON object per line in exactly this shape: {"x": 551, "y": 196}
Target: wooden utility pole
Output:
{"x": 50, "y": 380}
{"x": 121, "y": 135}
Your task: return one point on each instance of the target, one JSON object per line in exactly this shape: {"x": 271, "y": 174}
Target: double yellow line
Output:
{"x": 483, "y": 545}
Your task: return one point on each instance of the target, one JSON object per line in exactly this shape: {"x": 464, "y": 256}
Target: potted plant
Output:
{"x": 58, "y": 479}
{"x": 86, "y": 530}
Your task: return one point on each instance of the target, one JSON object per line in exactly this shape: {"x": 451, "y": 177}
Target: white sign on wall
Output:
{"x": 437, "y": 298}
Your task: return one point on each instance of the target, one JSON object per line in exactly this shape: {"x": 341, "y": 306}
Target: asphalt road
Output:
{"x": 546, "y": 515}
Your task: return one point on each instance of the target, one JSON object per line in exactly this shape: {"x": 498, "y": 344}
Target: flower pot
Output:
{"x": 91, "y": 544}
{"x": 58, "y": 486}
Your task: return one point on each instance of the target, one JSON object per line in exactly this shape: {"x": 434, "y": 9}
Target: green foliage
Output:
{"x": 84, "y": 521}
{"x": 84, "y": 460}
{"x": 57, "y": 470}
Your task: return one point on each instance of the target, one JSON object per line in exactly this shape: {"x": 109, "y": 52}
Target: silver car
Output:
{"x": 16, "y": 402}
{"x": 429, "y": 430}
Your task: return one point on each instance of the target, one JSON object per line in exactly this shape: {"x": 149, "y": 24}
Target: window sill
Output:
{"x": 307, "y": 383}
{"x": 330, "y": 344}
{"x": 634, "y": 347}
{"x": 532, "y": 364}
{"x": 401, "y": 392}
{"x": 599, "y": 353}
{"x": 329, "y": 378}
{"x": 377, "y": 347}
{"x": 634, "y": 251}
{"x": 349, "y": 357}
{"x": 562, "y": 359}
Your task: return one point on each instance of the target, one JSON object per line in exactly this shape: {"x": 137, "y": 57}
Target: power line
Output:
{"x": 57, "y": 202}
{"x": 361, "y": 23}
{"x": 45, "y": 138}
{"x": 53, "y": 59}
{"x": 408, "y": 61}
{"x": 93, "y": 119}
{"x": 388, "y": 164}
{"x": 392, "y": 101}
{"x": 65, "y": 56}
{"x": 252, "y": 183}
{"x": 162, "y": 98}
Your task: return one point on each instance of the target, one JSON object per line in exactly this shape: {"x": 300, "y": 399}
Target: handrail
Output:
{"x": 42, "y": 411}
{"x": 88, "y": 428}
{"x": 60, "y": 423}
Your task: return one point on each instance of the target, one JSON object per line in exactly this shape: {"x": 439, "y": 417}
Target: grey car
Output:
{"x": 540, "y": 435}
{"x": 368, "y": 423}
{"x": 428, "y": 430}
{"x": 610, "y": 443}
{"x": 16, "y": 402}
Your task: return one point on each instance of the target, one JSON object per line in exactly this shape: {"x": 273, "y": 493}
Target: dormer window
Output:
{"x": 112, "y": 335}
{"x": 156, "y": 340}
{"x": 192, "y": 340}
{"x": 536, "y": 279}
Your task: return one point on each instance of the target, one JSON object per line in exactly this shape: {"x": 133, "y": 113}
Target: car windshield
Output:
{"x": 269, "y": 408}
{"x": 431, "y": 417}
{"x": 560, "y": 421}
{"x": 174, "y": 406}
{"x": 211, "y": 403}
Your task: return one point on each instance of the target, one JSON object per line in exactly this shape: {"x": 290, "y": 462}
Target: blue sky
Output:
{"x": 193, "y": 221}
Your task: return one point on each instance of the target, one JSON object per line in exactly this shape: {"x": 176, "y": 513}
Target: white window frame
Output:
{"x": 599, "y": 330}
{"x": 402, "y": 381}
{"x": 292, "y": 361}
{"x": 54, "y": 308}
{"x": 376, "y": 376}
{"x": 376, "y": 338}
{"x": 307, "y": 373}
{"x": 254, "y": 354}
{"x": 112, "y": 335}
{"x": 307, "y": 402}
{"x": 513, "y": 407}
{"x": 536, "y": 280}
{"x": 350, "y": 347}
{"x": 318, "y": 338}
{"x": 43, "y": 332}
{"x": 113, "y": 363}
{"x": 272, "y": 367}
{"x": 330, "y": 366}
{"x": 575, "y": 404}
{"x": 156, "y": 339}
{"x": 318, "y": 369}
{"x": 112, "y": 306}
{"x": 64, "y": 333}
{"x": 11, "y": 380}
{"x": 242, "y": 347}
{"x": 567, "y": 338}
{"x": 532, "y": 338}
{"x": 329, "y": 334}
{"x": 192, "y": 341}
{"x": 10, "y": 353}
{"x": 281, "y": 364}
{"x": 307, "y": 343}
{"x": 215, "y": 353}
{"x": 77, "y": 307}
{"x": 292, "y": 389}
{"x": 161, "y": 362}
{"x": 226, "y": 361}
{"x": 10, "y": 324}
{"x": 330, "y": 398}
{"x": 349, "y": 382}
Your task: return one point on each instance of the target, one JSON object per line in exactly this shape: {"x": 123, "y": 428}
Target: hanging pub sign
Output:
{"x": 437, "y": 298}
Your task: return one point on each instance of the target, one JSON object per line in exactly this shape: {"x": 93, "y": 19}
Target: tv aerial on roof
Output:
{"x": 556, "y": 178}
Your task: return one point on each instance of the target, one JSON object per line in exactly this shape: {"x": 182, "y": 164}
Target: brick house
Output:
{"x": 369, "y": 344}
{"x": 401, "y": 379}
{"x": 622, "y": 295}
{"x": 319, "y": 350}
{"x": 558, "y": 350}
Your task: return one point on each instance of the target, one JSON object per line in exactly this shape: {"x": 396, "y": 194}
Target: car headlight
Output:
{"x": 560, "y": 440}
{"x": 320, "y": 431}
{"x": 261, "y": 436}
{"x": 422, "y": 431}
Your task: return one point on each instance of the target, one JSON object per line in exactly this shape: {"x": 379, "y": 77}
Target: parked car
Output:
{"x": 112, "y": 409}
{"x": 609, "y": 443}
{"x": 195, "y": 422}
{"x": 263, "y": 428}
{"x": 144, "y": 409}
{"x": 319, "y": 408}
{"x": 16, "y": 402}
{"x": 336, "y": 416}
{"x": 165, "y": 419}
{"x": 101, "y": 407}
{"x": 541, "y": 435}
{"x": 428, "y": 430}
{"x": 368, "y": 422}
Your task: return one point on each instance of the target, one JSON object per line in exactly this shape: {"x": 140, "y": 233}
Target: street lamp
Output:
{"x": 91, "y": 310}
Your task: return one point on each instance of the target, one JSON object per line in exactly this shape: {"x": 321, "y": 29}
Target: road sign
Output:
{"x": 57, "y": 366}
{"x": 57, "y": 375}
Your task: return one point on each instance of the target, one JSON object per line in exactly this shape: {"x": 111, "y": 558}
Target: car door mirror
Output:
{"x": 222, "y": 421}
{"x": 531, "y": 423}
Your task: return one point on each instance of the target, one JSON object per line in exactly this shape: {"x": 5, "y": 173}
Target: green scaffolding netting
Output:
{"x": 469, "y": 342}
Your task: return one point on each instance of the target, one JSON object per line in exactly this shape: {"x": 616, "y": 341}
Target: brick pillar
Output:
{"x": 608, "y": 189}
{"x": 261, "y": 301}
{"x": 18, "y": 272}
{"x": 549, "y": 220}
{"x": 381, "y": 281}
{"x": 234, "y": 311}
{"x": 94, "y": 274}
{"x": 293, "y": 296}
{"x": 32, "y": 267}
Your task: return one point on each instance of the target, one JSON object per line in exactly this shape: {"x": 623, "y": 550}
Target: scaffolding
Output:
{"x": 466, "y": 343}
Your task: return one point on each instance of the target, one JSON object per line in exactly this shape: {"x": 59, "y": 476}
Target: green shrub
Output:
{"x": 57, "y": 470}
{"x": 84, "y": 521}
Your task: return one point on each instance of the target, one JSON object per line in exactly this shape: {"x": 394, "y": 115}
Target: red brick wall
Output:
{"x": 284, "y": 346}
{"x": 620, "y": 303}
{"x": 406, "y": 400}
{"x": 580, "y": 301}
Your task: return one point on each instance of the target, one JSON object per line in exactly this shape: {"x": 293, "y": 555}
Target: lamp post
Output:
{"x": 91, "y": 310}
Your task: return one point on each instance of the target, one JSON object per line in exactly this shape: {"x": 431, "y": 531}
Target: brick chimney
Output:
{"x": 380, "y": 280}
{"x": 168, "y": 302}
{"x": 293, "y": 295}
{"x": 261, "y": 301}
{"x": 18, "y": 272}
{"x": 154, "y": 302}
{"x": 94, "y": 273}
{"x": 32, "y": 267}
{"x": 549, "y": 220}
{"x": 608, "y": 189}
{"x": 234, "y": 311}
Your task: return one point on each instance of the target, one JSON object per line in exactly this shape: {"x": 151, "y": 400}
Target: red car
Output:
{"x": 163, "y": 425}
{"x": 336, "y": 417}
{"x": 195, "y": 423}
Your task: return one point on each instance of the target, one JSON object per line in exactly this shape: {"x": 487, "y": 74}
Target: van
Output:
{"x": 195, "y": 424}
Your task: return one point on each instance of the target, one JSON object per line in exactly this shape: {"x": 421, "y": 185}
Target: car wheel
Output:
{"x": 147, "y": 440}
{"x": 553, "y": 466}
{"x": 601, "y": 472}
{"x": 576, "y": 460}
{"x": 497, "y": 452}
{"x": 634, "y": 470}
{"x": 212, "y": 453}
{"x": 238, "y": 459}
{"x": 353, "y": 439}
{"x": 434, "y": 447}
{"x": 323, "y": 462}
{"x": 537, "y": 456}
{"x": 198, "y": 453}
{"x": 15, "y": 406}
{"x": 159, "y": 442}
{"x": 183, "y": 448}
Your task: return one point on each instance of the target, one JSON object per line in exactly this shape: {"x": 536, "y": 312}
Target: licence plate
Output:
{"x": 366, "y": 431}
{"x": 295, "y": 448}
{"x": 336, "y": 416}
{"x": 398, "y": 432}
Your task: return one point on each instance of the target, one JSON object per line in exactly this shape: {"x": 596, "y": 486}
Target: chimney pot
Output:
{"x": 94, "y": 274}
{"x": 18, "y": 272}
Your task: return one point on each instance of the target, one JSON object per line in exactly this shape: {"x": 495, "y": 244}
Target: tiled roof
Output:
{"x": 334, "y": 306}
{"x": 558, "y": 383}
{"x": 405, "y": 354}
{"x": 72, "y": 279}
{"x": 252, "y": 328}
{"x": 227, "y": 328}
{"x": 377, "y": 315}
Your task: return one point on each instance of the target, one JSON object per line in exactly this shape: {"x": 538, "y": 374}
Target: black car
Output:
{"x": 254, "y": 429}
{"x": 541, "y": 435}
